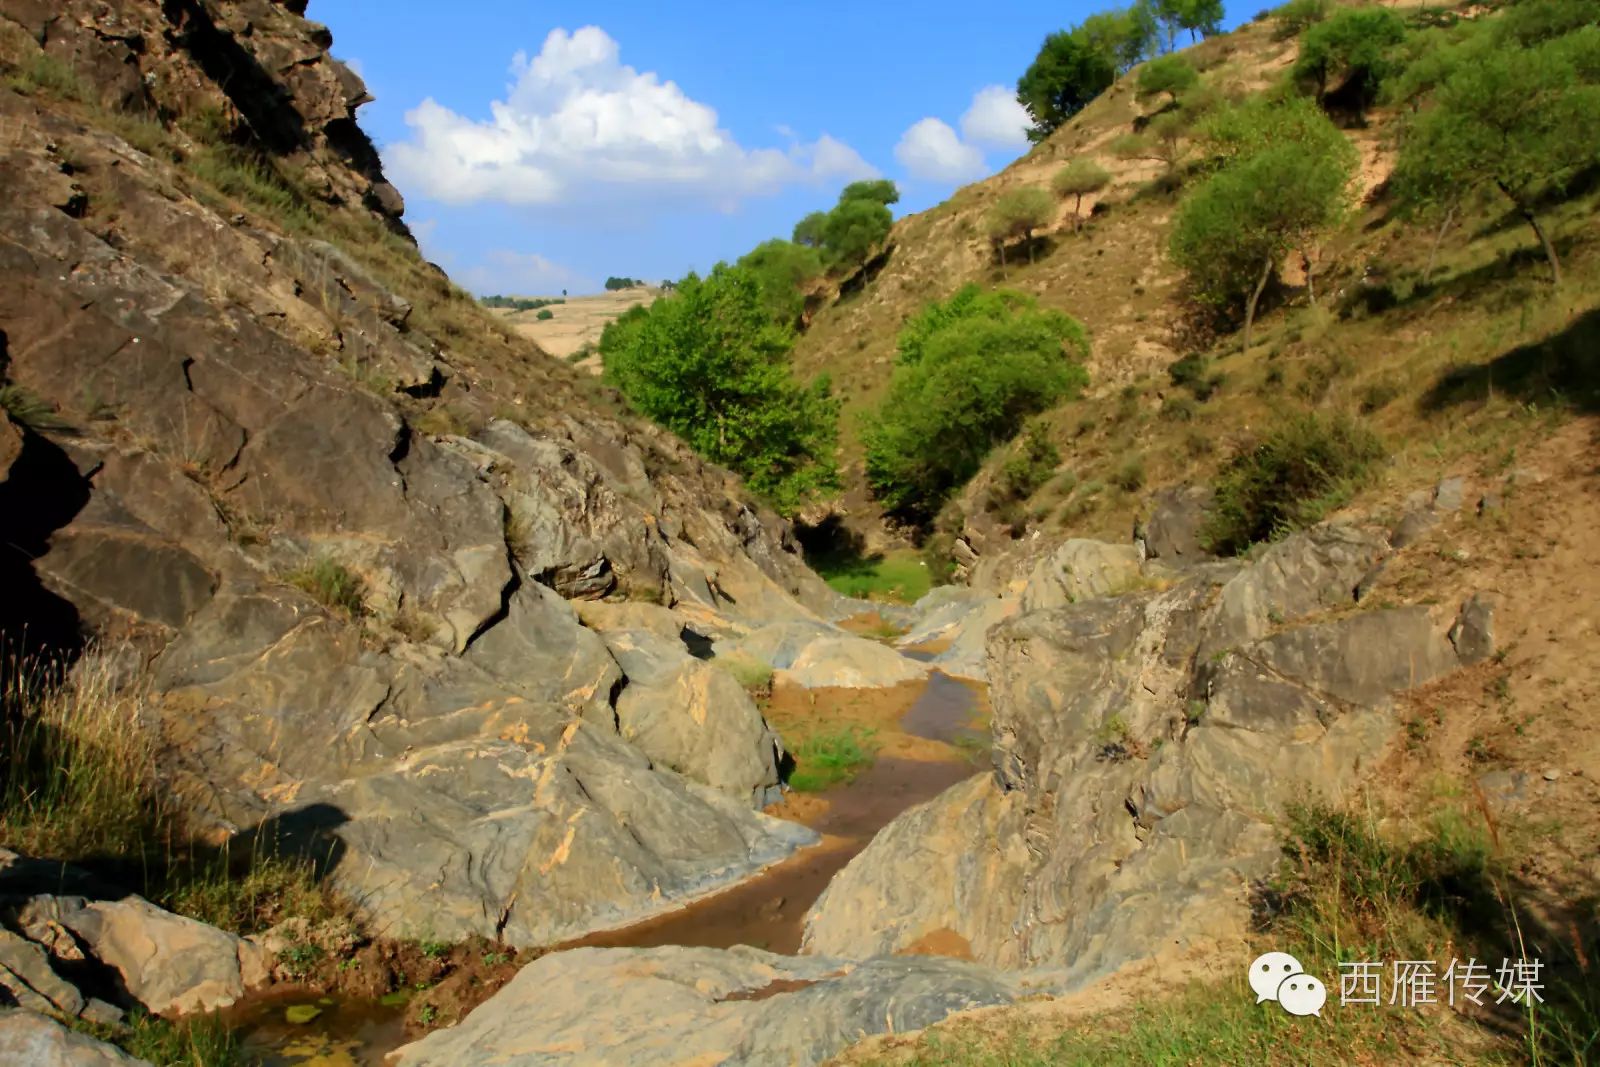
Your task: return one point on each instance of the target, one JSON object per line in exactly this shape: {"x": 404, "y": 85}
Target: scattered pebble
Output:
{"x": 1551, "y": 775}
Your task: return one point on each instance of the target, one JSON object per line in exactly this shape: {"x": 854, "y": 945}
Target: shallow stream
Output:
{"x": 767, "y": 911}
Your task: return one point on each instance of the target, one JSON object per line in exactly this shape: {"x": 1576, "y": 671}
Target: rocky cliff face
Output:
{"x": 335, "y": 511}
{"x": 1148, "y": 734}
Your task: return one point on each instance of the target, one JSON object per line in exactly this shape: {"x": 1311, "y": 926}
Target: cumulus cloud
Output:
{"x": 578, "y": 125}
{"x": 521, "y": 274}
{"x": 931, "y": 151}
{"x": 995, "y": 119}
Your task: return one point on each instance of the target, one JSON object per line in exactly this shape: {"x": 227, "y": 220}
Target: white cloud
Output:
{"x": 579, "y": 126}
{"x": 931, "y": 151}
{"x": 521, "y": 274}
{"x": 995, "y": 119}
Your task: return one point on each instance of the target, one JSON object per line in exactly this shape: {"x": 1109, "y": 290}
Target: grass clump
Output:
{"x": 333, "y": 584}
{"x": 201, "y": 1041}
{"x": 825, "y": 760}
{"x": 44, "y": 73}
{"x": 28, "y": 410}
{"x": 79, "y": 783}
{"x": 754, "y": 674}
{"x": 1292, "y": 477}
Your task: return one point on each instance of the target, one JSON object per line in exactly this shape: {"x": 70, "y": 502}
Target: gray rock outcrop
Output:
{"x": 737, "y": 1006}
{"x": 1145, "y": 744}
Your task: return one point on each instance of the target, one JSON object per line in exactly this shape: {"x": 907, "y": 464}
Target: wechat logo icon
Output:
{"x": 1278, "y": 976}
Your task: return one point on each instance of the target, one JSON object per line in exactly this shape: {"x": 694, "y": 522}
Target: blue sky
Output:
{"x": 545, "y": 146}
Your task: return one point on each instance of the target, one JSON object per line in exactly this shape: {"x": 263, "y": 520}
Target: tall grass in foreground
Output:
{"x": 80, "y": 783}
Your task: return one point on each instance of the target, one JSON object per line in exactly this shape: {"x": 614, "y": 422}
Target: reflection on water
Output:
{"x": 947, "y": 711}
{"x": 344, "y": 1033}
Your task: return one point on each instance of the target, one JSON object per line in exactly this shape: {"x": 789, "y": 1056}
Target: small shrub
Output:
{"x": 1193, "y": 372}
{"x": 545, "y": 314}
{"x": 828, "y": 759}
{"x": 1296, "y": 15}
{"x": 1179, "y": 408}
{"x": 755, "y": 675}
{"x": 1378, "y": 394}
{"x": 334, "y": 586}
{"x": 44, "y": 73}
{"x": 28, "y": 410}
{"x": 1291, "y": 478}
{"x": 1130, "y": 476}
{"x": 1031, "y": 465}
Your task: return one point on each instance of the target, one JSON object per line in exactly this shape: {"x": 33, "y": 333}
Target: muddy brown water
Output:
{"x": 767, "y": 911}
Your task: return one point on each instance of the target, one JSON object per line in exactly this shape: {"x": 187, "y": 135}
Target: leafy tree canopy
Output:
{"x": 970, "y": 372}
{"x": 1356, "y": 49}
{"x": 1285, "y": 177}
{"x": 1171, "y": 74}
{"x": 1065, "y": 76}
{"x": 781, "y": 269}
{"x": 711, "y": 365}
{"x": 1524, "y": 121}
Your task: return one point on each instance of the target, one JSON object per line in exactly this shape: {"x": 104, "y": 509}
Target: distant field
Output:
{"x": 577, "y": 322}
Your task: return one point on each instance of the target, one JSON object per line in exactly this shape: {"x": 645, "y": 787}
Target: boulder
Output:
{"x": 1144, "y": 747}
{"x": 962, "y": 627}
{"x": 32, "y": 1039}
{"x": 851, "y": 663}
{"x": 705, "y": 1006}
{"x": 1081, "y": 570}
{"x": 26, "y": 973}
{"x": 694, "y": 718}
{"x": 1473, "y": 633}
{"x": 1177, "y": 515}
{"x": 170, "y": 964}
{"x": 534, "y": 839}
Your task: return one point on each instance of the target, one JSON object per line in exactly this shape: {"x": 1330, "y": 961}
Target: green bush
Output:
{"x": 1356, "y": 49}
{"x": 1296, "y": 15}
{"x": 1291, "y": 478}
{"x": 1193, "y": 372}
{"x": 709, "y": 363}
{"x": 1172, "y": 74}
{"x": 971, "y": 370}
{"x": 1015, "y": 217}
{"x": 545, "y": 315}
{"x": 782, "y": 269}
{"x": 333, "y": 584}
{"x": 1031, "y": 464}
{"x": 1284, "y": 177}
{"x": 846, "y": 236}
{"x": 829, "y": 759}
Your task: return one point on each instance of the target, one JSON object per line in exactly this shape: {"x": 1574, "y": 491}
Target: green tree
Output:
{"x": 1199, "y": 17}
{"x": 1124, "y": 36}
{"x": 808, "y": 231}
{"x": 1522, "y": 120}
{"x": 782, "y": 269}
{"x": 878, "y": 190}
{"x": 709, "y": 364}
{"x": 970, "y": 372}
{"x": 1172, "y": 75}
{"x": 1294, "y": 16}
{"x": 847, "y": 235}
{"x": 1016, "y": 215}
{"x": 1162, "y": 141}
{"x": 1285, "y": 178}
{"x": 1064, "y": 77}
{"x": 1355, "y": 50}
{"x": 1078, "y": 179}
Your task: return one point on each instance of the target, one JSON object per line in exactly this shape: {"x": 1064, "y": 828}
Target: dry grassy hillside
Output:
{"x": 572, "y": 329}
{"x": 1380, "y": 342}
